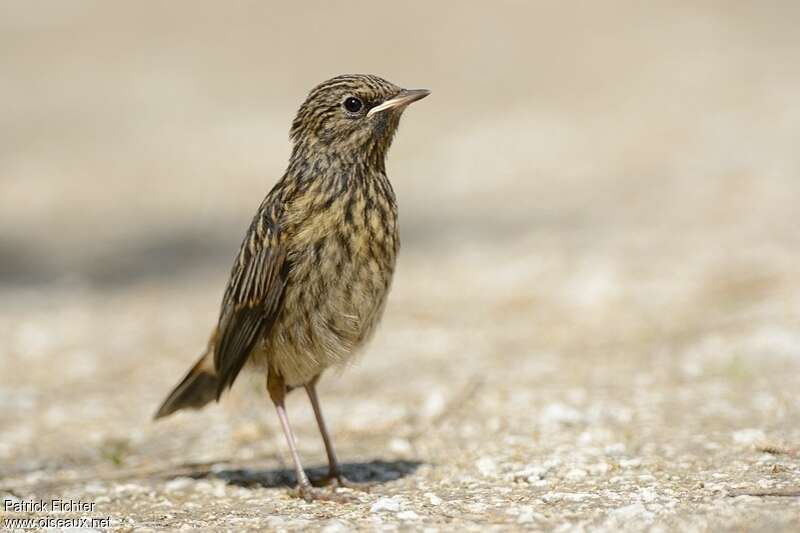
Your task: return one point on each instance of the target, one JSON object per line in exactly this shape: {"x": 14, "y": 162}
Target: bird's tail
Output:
{"x": 198, "y": 388}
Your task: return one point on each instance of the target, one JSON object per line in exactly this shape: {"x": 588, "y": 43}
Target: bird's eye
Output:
{"x": 353, "y": 104}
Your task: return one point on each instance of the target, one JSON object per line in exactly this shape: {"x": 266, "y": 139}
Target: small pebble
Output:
{"x": 525, "y": 517}
{"x": 407, "y": 515}
{"x": 629, "y": 512}
{"x": 560, "y": 414}
{"x": 433, "y": 498}
{"x": 486, "y": 466}
{"x": 616, "y": 449}
{"x": 400, "y": 446}
{"x": 749, "y": 437}
{"x": 576, "y": 474}
{"x": 335, "y": 526}
{"x": 178, "y": 484}
{"x": 390, "y": 505}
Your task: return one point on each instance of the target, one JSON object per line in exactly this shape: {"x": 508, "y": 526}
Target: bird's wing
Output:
{"x": 252, "y": 298}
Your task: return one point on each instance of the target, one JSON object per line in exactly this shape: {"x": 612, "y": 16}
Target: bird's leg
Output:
{"x": 334, "y": 470}
{"x": 277, "y": 392}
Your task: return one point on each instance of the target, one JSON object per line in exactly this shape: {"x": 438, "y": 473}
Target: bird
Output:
{"x": 310, "y": 281}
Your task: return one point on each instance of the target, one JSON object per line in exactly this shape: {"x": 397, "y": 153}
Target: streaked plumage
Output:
{"x": 309, "y": 284}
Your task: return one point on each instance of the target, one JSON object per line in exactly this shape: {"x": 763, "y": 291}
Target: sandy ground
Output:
{"x": 595, "y": 323}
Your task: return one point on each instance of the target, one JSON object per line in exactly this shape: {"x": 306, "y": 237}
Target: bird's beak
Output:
{"x": 405, "y": 97}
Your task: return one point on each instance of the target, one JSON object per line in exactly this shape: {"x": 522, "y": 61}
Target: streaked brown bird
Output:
{"x": 309, "y": 284}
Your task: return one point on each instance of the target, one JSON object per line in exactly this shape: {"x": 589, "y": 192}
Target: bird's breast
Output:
{"x": 342, "y": 254}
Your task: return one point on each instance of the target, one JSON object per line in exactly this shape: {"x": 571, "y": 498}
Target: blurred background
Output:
{"x": 597, "y": 197}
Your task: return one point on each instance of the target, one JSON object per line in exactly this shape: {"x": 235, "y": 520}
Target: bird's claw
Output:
{"x": 338, "y": 481}
{"x": 313, "y": 494}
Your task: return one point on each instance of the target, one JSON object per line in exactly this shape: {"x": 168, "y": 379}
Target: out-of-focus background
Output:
{"x": 596, "y": 316}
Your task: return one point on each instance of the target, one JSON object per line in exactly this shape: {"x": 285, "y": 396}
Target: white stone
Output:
{"x": 647, "y": 495}
{"x": 573, "y": 497}
{"x": 551, "y": 463}
{"x": 486, "y": 466}
{"x": 559, "y": 413}
{"x": 748, "y": 437}
{"x": 400, "y": 446}
{"x": 525, "y": 516}
{"x": 585, "y": 438}
{"x": 630, "y": 463}
{"x": 529, "y": 474}
{"x": 630, "y": 512}
{"x": 476, "y": 507}
{"x": 129, "y": 487}
{"x": 390, "y": 505}
{"x": 434, "y": 404}
{"x": 615, "y": 449}
{"x": 335, "y": 526}
{"x": 95, "y": 488}
{"x": 433, "y": 498}
{"x": 576, "y": 474}
{"x": 407, "y": 515}
{"x": 553, "y": 497}
{"x": 178, "y": 484}
{"x": 576, "y": 497}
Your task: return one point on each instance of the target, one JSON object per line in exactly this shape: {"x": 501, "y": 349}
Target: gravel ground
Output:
{"x": 595, "y": 323}
{"x": 649, "y": 403}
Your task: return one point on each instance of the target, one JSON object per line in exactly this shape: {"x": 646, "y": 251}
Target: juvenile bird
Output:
{"x": 309, "y": 284}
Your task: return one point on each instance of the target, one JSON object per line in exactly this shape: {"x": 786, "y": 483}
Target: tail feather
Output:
{"x": 198, "y": 388}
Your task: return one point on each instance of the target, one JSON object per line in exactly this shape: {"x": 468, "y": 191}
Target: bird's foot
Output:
{"x": 314, "y": 494}
{"x": 338, "y": 481}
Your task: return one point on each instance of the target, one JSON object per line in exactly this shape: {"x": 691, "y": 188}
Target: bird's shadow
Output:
{"x": 376, "y": 471}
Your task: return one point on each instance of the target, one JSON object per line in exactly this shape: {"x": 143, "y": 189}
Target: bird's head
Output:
{"x": 352, "y": 114}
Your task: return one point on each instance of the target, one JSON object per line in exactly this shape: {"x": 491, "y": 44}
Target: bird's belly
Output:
{"x": 333, "y": 302}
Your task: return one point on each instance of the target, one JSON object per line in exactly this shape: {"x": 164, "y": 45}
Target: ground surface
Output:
{"x": 595, "y": 322}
